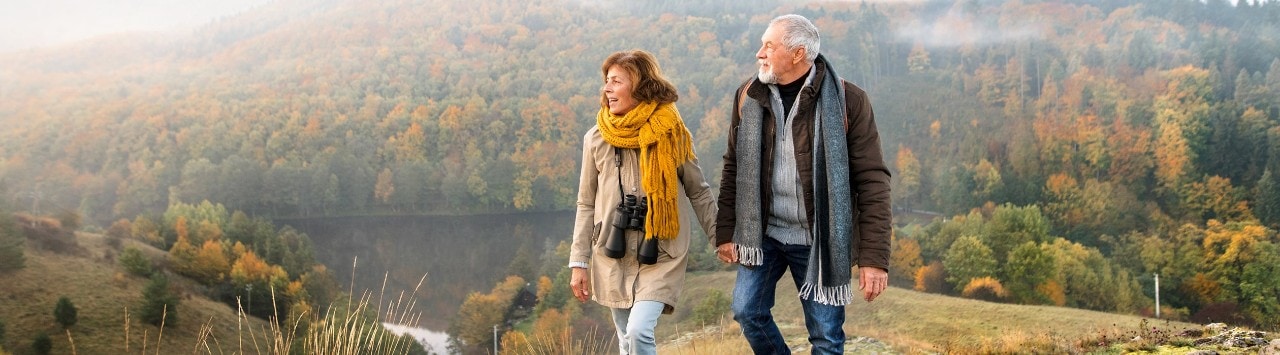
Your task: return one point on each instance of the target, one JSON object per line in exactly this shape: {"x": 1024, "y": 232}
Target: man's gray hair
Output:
{"x": 798, "y": 32}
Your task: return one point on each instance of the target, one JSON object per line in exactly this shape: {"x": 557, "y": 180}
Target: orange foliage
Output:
{"x": 210, "y": 264}
{"x": 182, "y": 255}
{"x": 544, "y": 286}
{"x": 515, "y": 341}
{"x": 1205, "y": 289}
{"x": 985, "y": 288}
{"x": 931, "y": 278}
{"x": 904, "y": 260}
{"x": 1054, "y": 292}
{"x": 207, "y": 231}
{"x": 476, "y": 315}
{"x": 180, "y": 227}
{"x": 294, "y": 290}
{"x": 248, "y": 268}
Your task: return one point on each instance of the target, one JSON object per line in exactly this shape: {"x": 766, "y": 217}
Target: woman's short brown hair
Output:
{"x": 650, "y": 85}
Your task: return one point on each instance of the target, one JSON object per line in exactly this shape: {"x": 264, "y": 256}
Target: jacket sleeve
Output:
{"x": 584, "y": 223}
{"x": 725, "y": 216}
{"x": 870, "y": 178}
{"x": 699, "y": 193}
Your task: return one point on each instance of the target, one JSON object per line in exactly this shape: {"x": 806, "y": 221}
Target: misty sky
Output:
{"x": 38, "y": 23}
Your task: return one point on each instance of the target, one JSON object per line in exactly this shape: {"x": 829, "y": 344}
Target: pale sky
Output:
{"x": 38, "y": 23}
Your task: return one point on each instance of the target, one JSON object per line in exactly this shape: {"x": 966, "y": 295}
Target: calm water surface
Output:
{"x": 457, "y": 254}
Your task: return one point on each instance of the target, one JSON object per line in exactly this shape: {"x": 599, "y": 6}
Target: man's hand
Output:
{"x": 727, "y": 253}
{"x": 872, "y": 281}
{"x": 579, "y": 284}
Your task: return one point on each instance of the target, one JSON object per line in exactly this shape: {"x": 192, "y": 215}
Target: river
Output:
{"x": 456, "y": 254}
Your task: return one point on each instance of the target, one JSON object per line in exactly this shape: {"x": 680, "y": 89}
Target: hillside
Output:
{"x": 101, "y": 292}
{"x": 908, "y": 321}
{"x": 1074, "y": 149}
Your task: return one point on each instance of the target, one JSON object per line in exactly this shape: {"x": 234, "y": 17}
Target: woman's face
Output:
{"x": 618, "y": 85}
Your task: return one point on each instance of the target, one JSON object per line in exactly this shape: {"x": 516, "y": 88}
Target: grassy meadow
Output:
{"x": 103, "y": 295}
{"x": 900, "y": 321}
{"x": 907, "y": 321}
{"x": 101, "y": 292}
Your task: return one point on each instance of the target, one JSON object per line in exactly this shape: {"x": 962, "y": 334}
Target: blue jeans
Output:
{"x": 635, "y": 327}
{"x": 753, "y": 296}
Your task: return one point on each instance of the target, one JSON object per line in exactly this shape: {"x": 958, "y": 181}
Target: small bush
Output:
{"x": 985, "y": 288}
{"x": 42, "y": 344}
{"x": 711, "y": 308}
{"x": 132, "y": 260}
{"x": 931, "y": 278}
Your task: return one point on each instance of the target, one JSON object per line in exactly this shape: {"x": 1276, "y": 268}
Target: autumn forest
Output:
{"x": 1043, "y": 152}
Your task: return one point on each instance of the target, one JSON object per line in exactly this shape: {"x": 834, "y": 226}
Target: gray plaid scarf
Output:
{"x": 827, "y": 280}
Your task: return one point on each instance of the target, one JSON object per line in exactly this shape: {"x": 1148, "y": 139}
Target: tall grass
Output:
{"x": 560, "y": 342}
{"x": 350, "y": 333}
{"x": 349, "y": 327}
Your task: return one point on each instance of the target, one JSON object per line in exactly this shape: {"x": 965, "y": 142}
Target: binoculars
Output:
{"x": 631, "y": 214}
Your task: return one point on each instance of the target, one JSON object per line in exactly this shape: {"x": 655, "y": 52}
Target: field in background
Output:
{"x": 101, "y": 291}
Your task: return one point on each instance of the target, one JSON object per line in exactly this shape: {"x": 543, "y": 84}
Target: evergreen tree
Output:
{"x": 42, "y": 344}
{"x": 1267, "y": 200}
{"x": 65, "y": 312}
{"x": 159, "y": 305}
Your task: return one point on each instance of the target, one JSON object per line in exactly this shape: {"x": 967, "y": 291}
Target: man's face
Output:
{"x": 776, "y": 62}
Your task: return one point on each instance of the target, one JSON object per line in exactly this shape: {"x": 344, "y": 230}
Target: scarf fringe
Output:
{"x": 749, "y": 256}
{"x": 832, "y": 296}
{"x": 827, "y": 279}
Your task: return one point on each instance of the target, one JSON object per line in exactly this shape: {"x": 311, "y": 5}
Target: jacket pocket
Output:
{"x": 595, "y": 234}
{"x": 675, "y": 248}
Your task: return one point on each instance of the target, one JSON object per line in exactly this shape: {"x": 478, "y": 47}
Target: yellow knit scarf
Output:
{"x": 664, "y": 144}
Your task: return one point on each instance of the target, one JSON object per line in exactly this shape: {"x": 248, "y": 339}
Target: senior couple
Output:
{"x": 804, "y": 188}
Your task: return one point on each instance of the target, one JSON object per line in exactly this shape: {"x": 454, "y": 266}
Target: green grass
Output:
{"x": 908, "y": 321}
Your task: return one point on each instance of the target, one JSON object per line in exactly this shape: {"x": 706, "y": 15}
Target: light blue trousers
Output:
{"x": 635, "y": 327}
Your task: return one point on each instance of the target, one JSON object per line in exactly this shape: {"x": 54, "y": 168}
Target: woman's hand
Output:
{"x": 726, "y": 253}
{"x": 579, "y": 284}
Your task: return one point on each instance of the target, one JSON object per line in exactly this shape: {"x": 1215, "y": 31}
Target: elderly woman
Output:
{"x": 629, "y": 246}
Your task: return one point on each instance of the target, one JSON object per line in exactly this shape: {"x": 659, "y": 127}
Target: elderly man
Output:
{"x": 804, "y": 188}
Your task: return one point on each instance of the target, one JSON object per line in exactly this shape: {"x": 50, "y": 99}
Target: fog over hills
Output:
{"x": 34, "y": 24}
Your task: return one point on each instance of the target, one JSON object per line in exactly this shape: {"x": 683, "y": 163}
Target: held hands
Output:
{"x": 872, "y": 281}
{"x": 727, "y": 253}
{"x": 580, "y": 285}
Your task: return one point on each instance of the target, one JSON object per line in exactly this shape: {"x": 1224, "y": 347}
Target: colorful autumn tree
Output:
{"x": 968, "y": 259}
{"x": 904, "y": 259}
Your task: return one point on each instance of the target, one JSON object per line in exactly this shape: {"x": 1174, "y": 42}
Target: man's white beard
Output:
{"x": 767, "y": 77}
